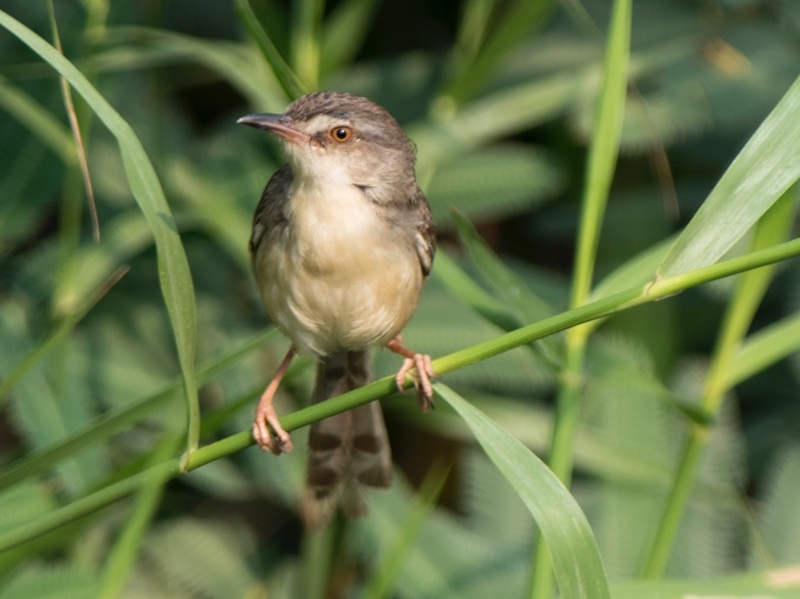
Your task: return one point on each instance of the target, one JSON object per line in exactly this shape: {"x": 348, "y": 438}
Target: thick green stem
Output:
{"x": 750, "y": 289}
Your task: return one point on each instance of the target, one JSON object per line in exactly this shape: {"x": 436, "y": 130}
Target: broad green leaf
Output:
{"x": 573, "y": 549}
{"x": 764, "y": 169}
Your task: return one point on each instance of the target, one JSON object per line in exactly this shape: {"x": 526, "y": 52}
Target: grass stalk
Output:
{"x": 599, "y": 174}
{"x": 622, "y": 300}
{"x": 749, "y": 290}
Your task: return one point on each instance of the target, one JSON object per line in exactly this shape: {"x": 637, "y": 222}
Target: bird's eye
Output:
{"x": 341, "y": 134}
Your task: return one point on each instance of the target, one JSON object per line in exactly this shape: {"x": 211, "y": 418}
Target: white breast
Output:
{"x": 339, "y": 278}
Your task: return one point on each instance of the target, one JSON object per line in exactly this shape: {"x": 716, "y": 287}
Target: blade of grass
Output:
{"x": 64, "y": 328}
{"x": 344, "y": 33}
{"x": 382, "y": 582}
{"x": 523, "y": 301}
{"x": 66, "y": 93}
{"x": 123, "y": 553}
{"x": 173, "y": 267}
{"x": 765, "y": 168}
{"x": 764, "y": 348}
{"x": 305, "y": 46}
{"x": 517, "y": 20}
{"x": 575, "y": 555}
{"x": 603, "y": 152}
{"x": 750, "y": 289}
{"x": 291, "y": 84}
{"x": 235, "y": 63}
{"x": 40, "y": 121}
{"x": 468, "y": 291}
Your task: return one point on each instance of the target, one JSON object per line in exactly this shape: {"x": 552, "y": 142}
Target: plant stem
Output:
{"x": 634, "y": 296}
{"x": 750, "y": 289}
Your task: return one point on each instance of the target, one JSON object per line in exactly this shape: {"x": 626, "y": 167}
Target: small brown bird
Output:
{"x": 342, "y": 241}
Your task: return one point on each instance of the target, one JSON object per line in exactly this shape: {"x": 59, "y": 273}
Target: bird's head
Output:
{"x": 342, "y": 138}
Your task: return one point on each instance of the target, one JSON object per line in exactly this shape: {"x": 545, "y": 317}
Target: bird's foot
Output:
{"x": 277, "y": 440}
{"x": 422, "y": 378}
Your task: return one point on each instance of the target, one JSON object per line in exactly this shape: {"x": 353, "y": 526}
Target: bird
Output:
{"x": 342, "y": 241}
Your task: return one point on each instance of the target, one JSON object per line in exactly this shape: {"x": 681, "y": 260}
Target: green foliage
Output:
{"x": 671, "y": 425}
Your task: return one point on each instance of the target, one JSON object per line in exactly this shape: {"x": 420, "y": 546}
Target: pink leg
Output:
{"x": 266, "y": 416}
{"x": 422, "y": 379}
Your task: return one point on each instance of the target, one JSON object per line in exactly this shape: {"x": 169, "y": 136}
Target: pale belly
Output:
{"x": 335, "y": 288}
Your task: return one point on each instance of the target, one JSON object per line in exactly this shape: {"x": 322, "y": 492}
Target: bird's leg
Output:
{"x": 266, "y": 416}
{"x": 422, "y": 379}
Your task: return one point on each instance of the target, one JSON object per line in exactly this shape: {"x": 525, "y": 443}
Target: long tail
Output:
{"x": 349, "y": 451}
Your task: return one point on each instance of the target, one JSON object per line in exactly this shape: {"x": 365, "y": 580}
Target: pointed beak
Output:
{"x": 279, "y": 124}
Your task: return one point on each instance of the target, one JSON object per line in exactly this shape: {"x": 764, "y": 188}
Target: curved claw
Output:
{"x": 422, "y": 379}
{"x": 266, "y": 418}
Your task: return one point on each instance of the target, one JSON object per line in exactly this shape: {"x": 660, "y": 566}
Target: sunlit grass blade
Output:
{"x": 575, "y": 556}
{"x": 88, "y": 504}
{"x": 64, "y": 328}
{"x": 765, "y": 168}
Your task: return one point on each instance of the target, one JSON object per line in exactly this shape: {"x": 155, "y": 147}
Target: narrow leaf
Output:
{"x": 764, "y": 169}
{"x": 575, "y": 556}
{"x": 173, "y": 266}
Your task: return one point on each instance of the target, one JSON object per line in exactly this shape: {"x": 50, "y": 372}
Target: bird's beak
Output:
{"x": 279, "y": 124}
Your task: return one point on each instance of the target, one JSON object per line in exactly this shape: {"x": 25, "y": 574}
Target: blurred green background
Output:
{"x": 499, "y": 99}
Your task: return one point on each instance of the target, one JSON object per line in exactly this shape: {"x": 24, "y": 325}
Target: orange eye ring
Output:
{"x": 341, "y": 134}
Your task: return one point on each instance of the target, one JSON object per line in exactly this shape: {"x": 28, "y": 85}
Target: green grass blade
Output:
{"x": 604, "y": 148}
{"x": 122, "y": 556}
{"x": 88, "y": 504}
{"x": 290, "y": 83}
{"x": 173, "y": 267}
{"x": 765, "y": 168}
{"x": 472, "y": 294}
{"x": 344, "y": 33}
{"x": 40, "y": 121}
{"x": 305, "y": 45}
{"x": 527, "y": 305}
{"x": 381, "y": 583}
{"x": 749, "y": 291}
{"x": 575, "y": 556}
{"x": 764, "y": 348}
{"x": 517, "y": 21}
